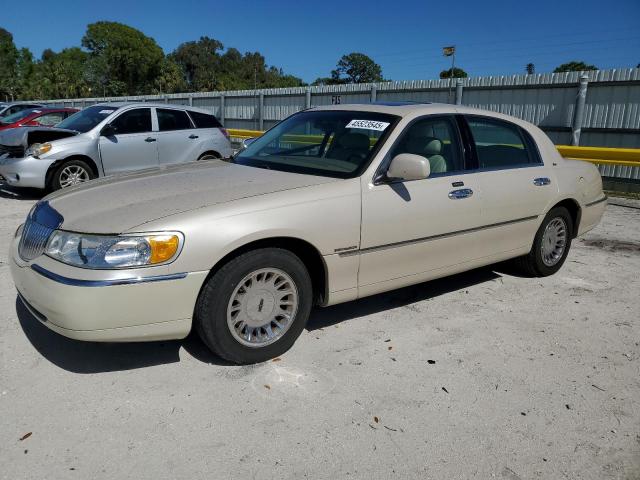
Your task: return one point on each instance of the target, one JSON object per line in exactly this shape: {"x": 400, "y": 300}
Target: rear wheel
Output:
{"x": 208, "y": 156}
{"x": 73, "y": 172}
{"x": 550, "y": 245}
{"x": 255, "y": 306}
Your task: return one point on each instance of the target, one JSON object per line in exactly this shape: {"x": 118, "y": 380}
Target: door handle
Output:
{"x": 541, "y": 181}
{"x": 460, "y": 194}
{"x": 149, "y": 139}
{"x": 192, "y": 136}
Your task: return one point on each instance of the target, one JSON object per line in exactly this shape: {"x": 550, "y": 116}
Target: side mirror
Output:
{"x": 108, "y": 130}
{"x": 407, "y": 166}
{"x": 248, "y": 141}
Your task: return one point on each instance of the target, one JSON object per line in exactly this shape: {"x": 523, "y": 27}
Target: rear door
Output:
{"x": 177, "y": 137}
{"x": 134, "y": 144}
{"x": 513, "y": 182}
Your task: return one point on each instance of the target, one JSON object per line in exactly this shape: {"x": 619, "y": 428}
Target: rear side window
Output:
{"x": 203, "y": 120}
{"x": 133, "y": 121}
{"x": 172, "y": 120}
{"x": 500, "y": 144}
{"x": 50, "y": 119}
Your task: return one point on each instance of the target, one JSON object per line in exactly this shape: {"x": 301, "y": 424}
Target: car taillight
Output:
{"x": 225, "y": 133}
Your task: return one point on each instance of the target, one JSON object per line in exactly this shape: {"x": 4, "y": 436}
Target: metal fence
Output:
{"x": 599, "y": 108}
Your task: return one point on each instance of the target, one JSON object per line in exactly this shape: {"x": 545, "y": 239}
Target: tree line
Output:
{"x": 117, "y": 60}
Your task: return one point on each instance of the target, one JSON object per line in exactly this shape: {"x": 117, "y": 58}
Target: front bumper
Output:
{"x": 25, "y": 172}
{"x": 96, "y": 306}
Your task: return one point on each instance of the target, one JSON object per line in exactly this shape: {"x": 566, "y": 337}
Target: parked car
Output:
{"x": 110, "y": 139}
{"x": 36, "y": 117}
{"x": 7, "y": 109}
{"x": 333, "y": 204}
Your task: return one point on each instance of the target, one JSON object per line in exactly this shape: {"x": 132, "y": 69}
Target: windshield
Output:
{"x": 330, "y": 143}
{"x": 16, "y": 117}
{"x": 86, "y": 119}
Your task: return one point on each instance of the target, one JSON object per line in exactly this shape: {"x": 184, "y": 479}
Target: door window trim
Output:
{"x": 531, "y": 147}
{"x": 380, "y": 173}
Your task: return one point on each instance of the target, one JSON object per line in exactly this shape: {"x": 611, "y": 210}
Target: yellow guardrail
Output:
{"x": 599, "y": 155}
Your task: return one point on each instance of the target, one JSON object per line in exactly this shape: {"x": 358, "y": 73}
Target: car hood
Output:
{"x": 121, "y": 203}
{"x": 20, "y": 136}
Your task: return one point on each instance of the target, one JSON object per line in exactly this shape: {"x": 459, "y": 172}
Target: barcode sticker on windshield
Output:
{"x": 368, "y": 125}
{"x": 103, "y": 112}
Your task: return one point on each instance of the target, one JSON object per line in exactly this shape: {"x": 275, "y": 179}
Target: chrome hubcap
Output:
{"x": 262, "y": 307}
{"x": 73, "y": 175}
{"x": 554, "y": 241}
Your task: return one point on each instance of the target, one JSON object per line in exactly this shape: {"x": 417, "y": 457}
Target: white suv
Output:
{"x": 109, "y": 139}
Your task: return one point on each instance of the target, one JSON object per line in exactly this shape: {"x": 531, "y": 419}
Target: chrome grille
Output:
{"x": 40, "y": 224}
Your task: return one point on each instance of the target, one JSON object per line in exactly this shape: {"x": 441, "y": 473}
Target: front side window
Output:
{"x": 499, "y": 144}
{"x": 172, "y": 120}
{"x": 331, "y": 143}
{"x": 133, "y": 121}
{"x": 436, "y": 139}
{"x": 86, "y": 119}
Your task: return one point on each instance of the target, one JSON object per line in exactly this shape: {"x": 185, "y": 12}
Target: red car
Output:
{"x": 36, "y": 117}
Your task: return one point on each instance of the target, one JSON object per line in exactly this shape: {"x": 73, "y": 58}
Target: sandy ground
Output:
{"x": 481, "y": 375}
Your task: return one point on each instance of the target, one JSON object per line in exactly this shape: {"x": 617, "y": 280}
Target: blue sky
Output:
{"x": 306, "y": 38}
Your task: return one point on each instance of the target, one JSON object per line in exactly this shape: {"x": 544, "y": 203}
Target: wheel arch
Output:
{"x": 210, "y": 152}
{"x": 55, "y": 165}
{"x": 308, "y": 254}
{"x": 575, "y": 211}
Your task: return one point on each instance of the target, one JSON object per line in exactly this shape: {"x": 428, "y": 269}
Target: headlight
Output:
{"x": 38, "y": 149}
{"x": 112, "y": 252}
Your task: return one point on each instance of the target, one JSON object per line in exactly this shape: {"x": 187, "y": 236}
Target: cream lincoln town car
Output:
{"x": 332, "y": 204}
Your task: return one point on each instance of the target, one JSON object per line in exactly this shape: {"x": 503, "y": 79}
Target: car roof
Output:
{"x": 404, "y": 109}
{"x": 151, "y": 104}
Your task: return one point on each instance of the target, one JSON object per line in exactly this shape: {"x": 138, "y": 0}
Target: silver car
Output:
{"x": 7, "y": 109}
{"x": 110, "y": 139}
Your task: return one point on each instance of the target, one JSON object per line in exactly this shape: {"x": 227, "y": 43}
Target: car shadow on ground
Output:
{"x": 92, "y": 357}
{"x": 6, "y": 191}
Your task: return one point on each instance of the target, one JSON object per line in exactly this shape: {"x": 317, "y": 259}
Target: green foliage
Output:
{"x": 574, "y": 67}
{"x": 122, "y": 60}
{"x": 355, "y": 68}
{"x": 206, "y": 68}
{"x": 453, "y": 73}
{"x": 8, "y": 65}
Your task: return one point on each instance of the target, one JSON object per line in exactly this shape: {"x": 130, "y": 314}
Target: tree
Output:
{"x": 199, "y": 62}
{"x": 453, "y": 73}
{"x": 8, "y": 65}
{"x": 574, "y": 66}
{"x": 170, "y": 79}
{"x": 356, "y": 68}
{"x": 122, "y": 60}
{"x": 530, "y": 68}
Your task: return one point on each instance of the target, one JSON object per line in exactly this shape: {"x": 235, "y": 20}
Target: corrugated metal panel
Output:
{"x": 612, "y": 106}
{"x": 277, "y": 108}
{"x": 340, "y": 97}
{"x": 211, "y": 104}
{"x": 242, "y": 108}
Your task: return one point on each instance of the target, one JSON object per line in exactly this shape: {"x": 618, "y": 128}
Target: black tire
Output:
{"x": 56, "y": 179}
{"x": 533, "y": 264}
{"x": 208, "y": 156}
{"x": 210, "y": 318}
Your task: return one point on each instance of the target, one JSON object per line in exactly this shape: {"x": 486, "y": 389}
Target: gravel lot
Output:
{"x": 481, "y": 375}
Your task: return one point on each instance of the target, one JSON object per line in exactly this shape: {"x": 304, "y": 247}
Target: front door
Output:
{"x": 133, "y": 146}
{"x": 415, "y": 230}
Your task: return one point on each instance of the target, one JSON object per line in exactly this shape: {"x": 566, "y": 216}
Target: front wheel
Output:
{"x": 255, "y": 306}
{"x": 73, "y": 172}
{"x": 550, "y": 245}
